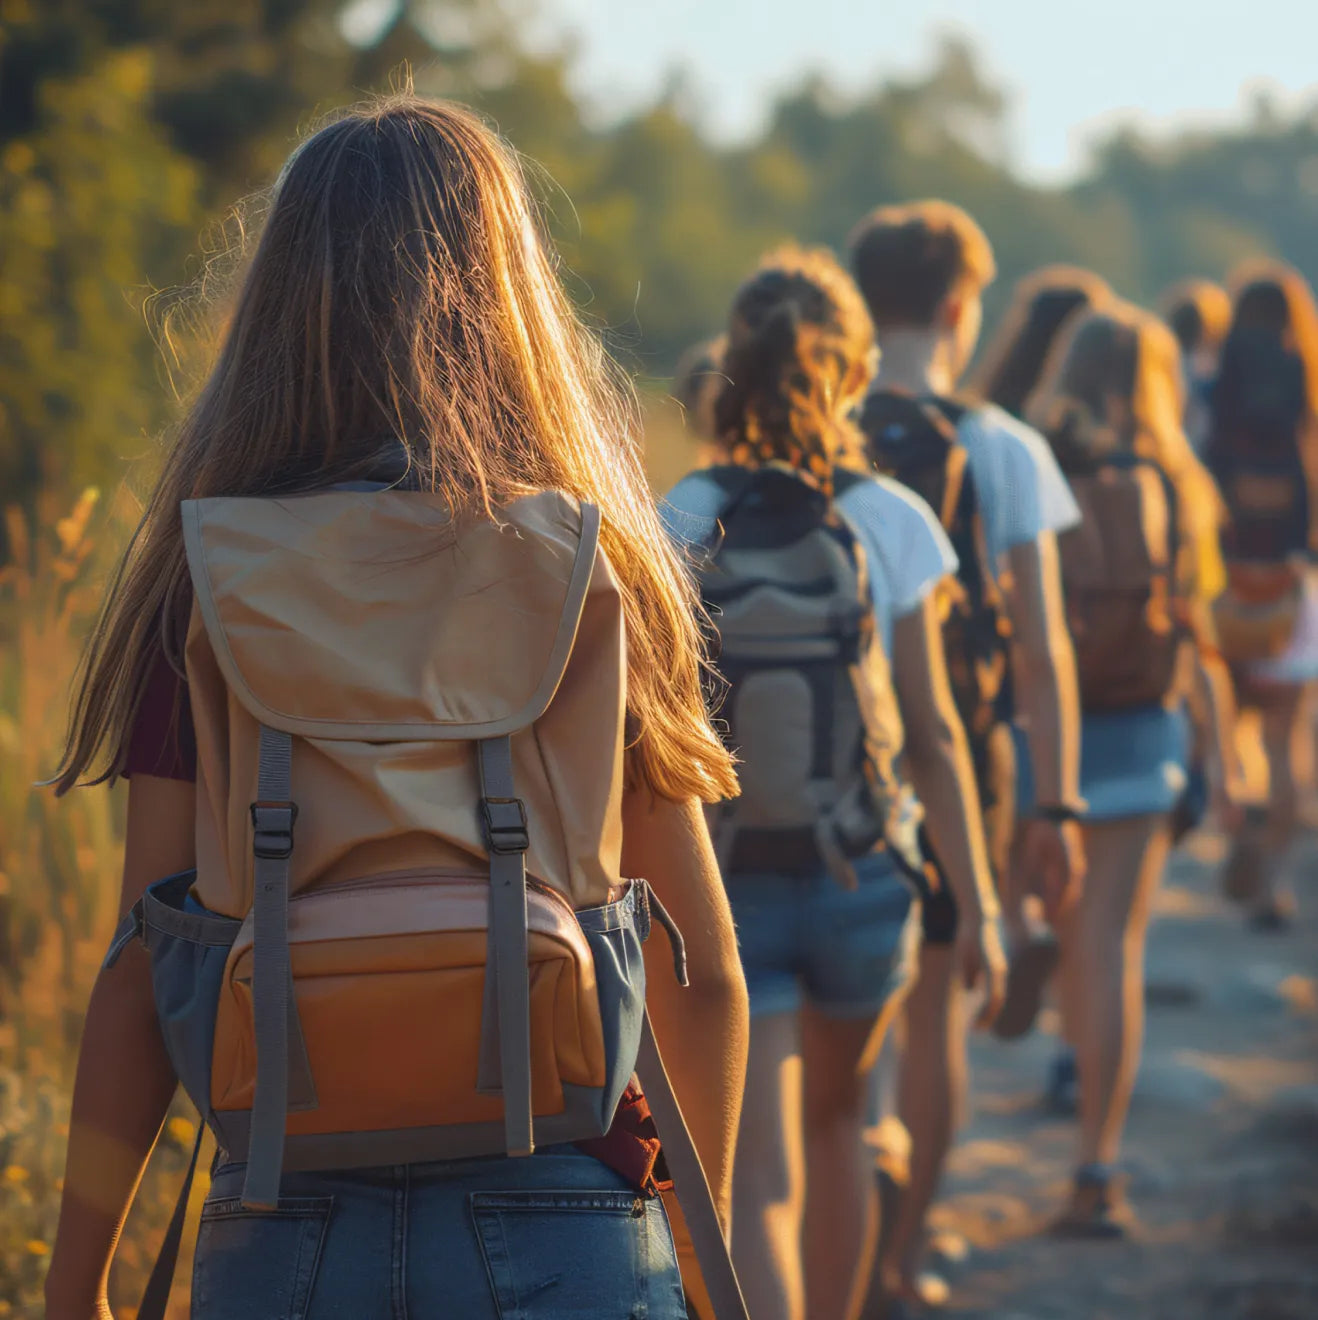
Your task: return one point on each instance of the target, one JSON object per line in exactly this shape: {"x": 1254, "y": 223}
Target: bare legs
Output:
{"x": 768, "y": 1181}
{"x": 1280, "y": 714}
{"x": 932, "y": 1095}
{"x": 804, "y": 1245}
{"x": 1102, "y": 973}
{"x": 842, "y": 1221}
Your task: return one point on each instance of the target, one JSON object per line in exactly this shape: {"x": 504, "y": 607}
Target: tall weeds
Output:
{"x": 59, "y": 877}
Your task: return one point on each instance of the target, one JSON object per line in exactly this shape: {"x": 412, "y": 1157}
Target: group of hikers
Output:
{"x": 466, "y": 777}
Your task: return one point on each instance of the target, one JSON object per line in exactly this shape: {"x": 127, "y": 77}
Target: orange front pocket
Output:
{"x": 389, "y": 975}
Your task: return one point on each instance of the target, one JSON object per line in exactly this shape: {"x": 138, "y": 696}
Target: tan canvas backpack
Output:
{"x": 407, "y": 936}
{"x": 1121, "y": 574}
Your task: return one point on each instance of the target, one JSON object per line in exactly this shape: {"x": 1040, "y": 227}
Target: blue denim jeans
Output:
{"x": 555, "y": 1235}
{"x": 803, "y": 938}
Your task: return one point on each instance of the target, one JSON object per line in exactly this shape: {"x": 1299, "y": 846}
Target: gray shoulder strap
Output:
{"x": 505, "y": 1063}
{"x": 155, "y": 1297}
{"x": 279, "y": 1041}
{"x": 689, "y": 1179}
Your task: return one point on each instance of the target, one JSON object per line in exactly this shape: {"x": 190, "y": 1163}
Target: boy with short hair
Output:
{"x": 923, "y": 269}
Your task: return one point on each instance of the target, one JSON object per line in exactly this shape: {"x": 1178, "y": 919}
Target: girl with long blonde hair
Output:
{"x": 401, "y": 325}
{"x": 1110, "y": 405}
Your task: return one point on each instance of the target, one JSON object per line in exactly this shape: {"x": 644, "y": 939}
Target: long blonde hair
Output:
{"x": 402, "y": 292}
{"x": 1121, "y": 352}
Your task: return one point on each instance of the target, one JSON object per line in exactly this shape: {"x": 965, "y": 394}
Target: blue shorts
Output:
{"x": 1132, "y": 763}
{"x": 803, "y": 938}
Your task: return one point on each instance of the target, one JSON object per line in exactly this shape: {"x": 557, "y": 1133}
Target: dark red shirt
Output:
{"x": 164, "y": 744}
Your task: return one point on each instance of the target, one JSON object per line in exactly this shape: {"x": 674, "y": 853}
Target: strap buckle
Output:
{"x": 505, "y": 825}
{"x": 272, "y": 830}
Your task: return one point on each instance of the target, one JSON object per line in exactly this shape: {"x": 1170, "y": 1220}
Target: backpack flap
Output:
{"x": 347, "y": 619}
{"x": 317, "y": 637}
{"x": 1119, "y": 572}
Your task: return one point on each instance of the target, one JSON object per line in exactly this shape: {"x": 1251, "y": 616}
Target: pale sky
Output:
{"x": 1071, "y": 67}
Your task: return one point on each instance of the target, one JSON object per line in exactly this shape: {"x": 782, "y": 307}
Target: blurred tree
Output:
{"x": 91, "y": 200}
{"x": 126, "y": 124}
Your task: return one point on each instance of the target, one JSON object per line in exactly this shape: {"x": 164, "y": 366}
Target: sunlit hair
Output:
{"x": 800, "y": 347}
{"x": 697, "y": 383}
{"x": 908, "y": 260}
{"x": 1274, "y": 303}
{"x": 1125, "y": 356}
{"x": 1040, "y": 307}
{"x": 1199, "y": 313}
{"x": 401, "y": 292}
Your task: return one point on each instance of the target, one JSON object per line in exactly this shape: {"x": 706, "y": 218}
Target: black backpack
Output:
{"x": 809, "y": 705}
{"x": 1256, "y": 450}
{"x": 915, "y": 440}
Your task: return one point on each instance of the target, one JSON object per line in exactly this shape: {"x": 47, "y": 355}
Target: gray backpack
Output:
{"x": 809, "y": 707}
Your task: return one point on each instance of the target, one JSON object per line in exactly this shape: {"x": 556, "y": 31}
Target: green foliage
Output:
{"x": 93, "y": 203}
{"x": 125, "y": 124}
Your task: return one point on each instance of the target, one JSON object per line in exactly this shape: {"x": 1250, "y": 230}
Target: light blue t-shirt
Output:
{"x": 906, "y": 550}
{"x": 1022, "y": 492}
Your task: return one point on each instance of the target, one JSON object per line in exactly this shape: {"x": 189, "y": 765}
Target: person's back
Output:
{"x": 1262, "y": 448}
{"x": 1141, "y": 571}
{"x": 407, "y": 682}
{"x": 916, "y": 440}
{"x": 923, "y": 268}
{"x": 821, "y": 582}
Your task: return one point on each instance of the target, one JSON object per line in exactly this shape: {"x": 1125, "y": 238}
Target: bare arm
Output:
{"x": 943, "y": 774}
{"x": 1218, "y": 699}
{"x": 125, "y": 1081}
{"x": 938, "y": 757}
{"x": 1047, "y": 691}
{"x": 1048, "y": 696}
{"x": 703, "y": 1029}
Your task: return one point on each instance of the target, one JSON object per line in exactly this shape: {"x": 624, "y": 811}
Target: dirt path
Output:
{"x": 1222, "y": 1146}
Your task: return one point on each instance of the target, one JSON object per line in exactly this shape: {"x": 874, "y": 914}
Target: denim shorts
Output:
{"x": 803, "y": 938}
{"x": 1132, "y": 763}
{"x": 557, "y": 1234}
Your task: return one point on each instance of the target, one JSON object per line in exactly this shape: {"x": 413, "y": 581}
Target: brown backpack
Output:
{"x": 1120, "y": 575}
{"x": 407, "y": 937}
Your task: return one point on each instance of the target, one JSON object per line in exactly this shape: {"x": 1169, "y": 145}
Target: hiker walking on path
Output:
{"x": 1140, "y": 573}
{"x": 1262, "y": 449}
{"x": 406, "y": 679}
{"x": 823, "y": 583}
{"x": 922, "y": 269}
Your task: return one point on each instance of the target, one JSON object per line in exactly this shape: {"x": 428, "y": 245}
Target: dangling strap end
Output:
{"x": 675, "y": 938}
{"x": 129, "y": 929}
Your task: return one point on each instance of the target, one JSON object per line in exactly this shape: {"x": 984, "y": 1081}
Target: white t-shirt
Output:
{"x": 906, "y": 550}
{"x": 1022, "y": 492}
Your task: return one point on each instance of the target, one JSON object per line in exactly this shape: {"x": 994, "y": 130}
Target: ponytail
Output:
{"x": 798, "y": 338}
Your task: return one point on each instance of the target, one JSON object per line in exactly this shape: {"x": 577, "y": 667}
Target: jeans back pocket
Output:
{"x": 592, "y": 1255}
{"x": 258, "y": 1262}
